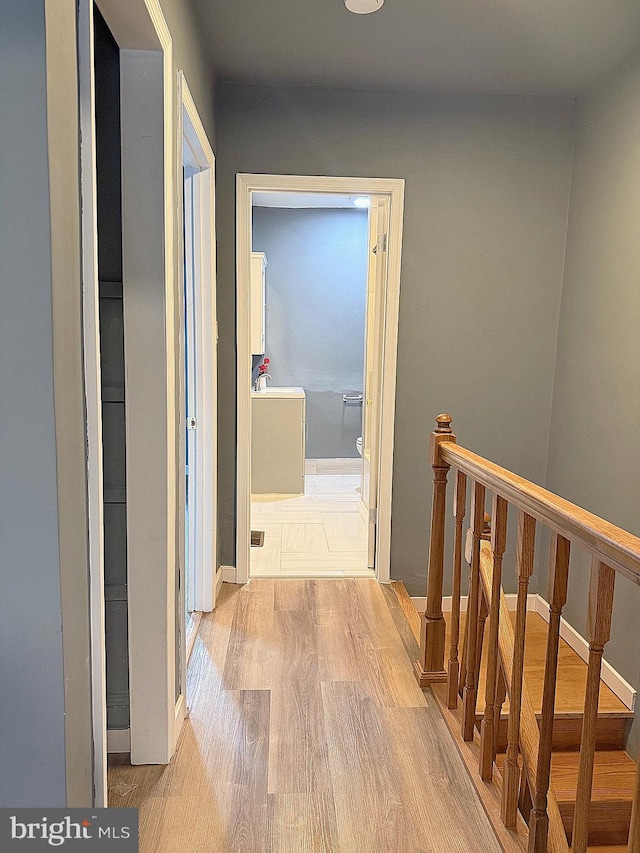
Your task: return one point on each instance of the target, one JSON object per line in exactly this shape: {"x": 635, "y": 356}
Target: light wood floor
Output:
{"x": 307, "y": 732}
{"x": 321, "y": 533}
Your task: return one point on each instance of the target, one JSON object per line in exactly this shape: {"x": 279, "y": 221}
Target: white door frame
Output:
{"x": 92, "y": 379}
{"x": 246, "y": 185}
{"x": 192, "y": 133}
{"x": 151, "y": 290}
{"x": 377, "y": 238}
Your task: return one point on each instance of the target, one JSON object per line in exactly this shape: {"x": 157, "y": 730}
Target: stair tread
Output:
{"x": 570, "y": 688}
{"x": 608, "y": 848}
{"x": 613, "y": 775}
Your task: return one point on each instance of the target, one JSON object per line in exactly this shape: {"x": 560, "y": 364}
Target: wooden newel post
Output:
{"x": 430, "y": 667}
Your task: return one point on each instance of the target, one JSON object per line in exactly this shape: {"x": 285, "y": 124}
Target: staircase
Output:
{"x": 614, "y": 771}
{"x": 549, "y": 764}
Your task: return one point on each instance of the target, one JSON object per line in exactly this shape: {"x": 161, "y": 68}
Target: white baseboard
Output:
{"x": 421, "y": 603}
{"x": 217, "y": 583}
{"x": 118, "y": 740}
{"x": 614, "y": 681}
{"x": 228, "y": 574}
{"x": 192, "y": 632}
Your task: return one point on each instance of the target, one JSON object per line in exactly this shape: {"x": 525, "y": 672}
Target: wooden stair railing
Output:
{"x": 613, "y": 551}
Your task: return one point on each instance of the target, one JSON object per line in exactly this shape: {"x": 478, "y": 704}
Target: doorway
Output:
{"x": 311, "y": 258}
{"x": 356, "y": 542}
{"x": 145, "y": 328}
{"x": 150, "y": 330}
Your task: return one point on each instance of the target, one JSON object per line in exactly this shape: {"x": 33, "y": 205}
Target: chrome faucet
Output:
{"x": 261, "y": 385}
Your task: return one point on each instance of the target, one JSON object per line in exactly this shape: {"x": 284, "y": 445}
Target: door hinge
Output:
{"x": 191, "y": 423}
{"x": 373, "y": 515}
{"x": 381, "y": 245}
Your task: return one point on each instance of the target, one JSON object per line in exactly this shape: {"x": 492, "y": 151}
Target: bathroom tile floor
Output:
{"x": 321, "y": 533}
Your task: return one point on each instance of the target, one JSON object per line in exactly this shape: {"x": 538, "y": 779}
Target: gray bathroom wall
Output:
{"x": 316, "y": 283}
{"x": 486, "y": 198}
{"x": 594, "y": 451}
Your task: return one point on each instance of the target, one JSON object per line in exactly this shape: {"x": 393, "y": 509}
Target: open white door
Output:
{"x": 190, "y": 395}
{"x": 376, "y": 288}
{"x": 200, "y": 368}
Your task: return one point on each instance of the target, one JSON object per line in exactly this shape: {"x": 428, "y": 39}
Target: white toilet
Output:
{"x": 359, "y": 445}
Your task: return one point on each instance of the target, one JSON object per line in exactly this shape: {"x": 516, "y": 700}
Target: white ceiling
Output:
{"x": 517, "y": 46}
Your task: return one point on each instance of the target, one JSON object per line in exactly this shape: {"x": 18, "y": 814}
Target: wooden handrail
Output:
{"x": 612, "y": 545}
{"x": 612, "y": 550}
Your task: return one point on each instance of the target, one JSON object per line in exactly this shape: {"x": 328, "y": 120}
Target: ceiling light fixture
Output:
{"x": 363, "y": 7}
{"x": 361, "y": 201}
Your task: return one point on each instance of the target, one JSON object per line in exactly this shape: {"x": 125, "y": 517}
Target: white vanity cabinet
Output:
{"x": 257, "y": 300}
{"x": 277, "y": 441}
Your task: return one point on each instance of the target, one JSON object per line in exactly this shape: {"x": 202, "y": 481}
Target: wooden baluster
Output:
{"x": 501, "y": 695}
{"x": 430, "y": 667}
{"x": 601, "y": 588}
{"x": 634, "y": 831}
{"x": 470, "y": 685}
{"x": 558, "y": 581}
{"x": 525, "y": 549}
{"x": 465, "y": 643}
{"x": 483, "y": 612}
{"x": 468, "y": 547}
{"x": 486, "y": 536}
{"x": 487, "y": 730}
{"x": 459, "y": 508}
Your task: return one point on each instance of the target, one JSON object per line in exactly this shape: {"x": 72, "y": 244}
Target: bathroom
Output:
{"x": 311, "y": 253}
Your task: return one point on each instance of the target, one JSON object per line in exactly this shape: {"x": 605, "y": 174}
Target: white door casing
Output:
{"x": 91, "y": 328}
{"x": 150, "y": 285}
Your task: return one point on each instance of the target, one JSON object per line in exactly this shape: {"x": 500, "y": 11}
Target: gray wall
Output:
{"x": 192, "y": 54}
{"x": 487, "y": 185}
{"x": 316, "y": 284}
{"x": 46, "y": 753}
{"x": 594, "y": 451}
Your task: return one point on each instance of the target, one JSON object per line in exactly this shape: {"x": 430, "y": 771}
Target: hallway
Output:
{"x": 307, "y": 732}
